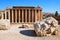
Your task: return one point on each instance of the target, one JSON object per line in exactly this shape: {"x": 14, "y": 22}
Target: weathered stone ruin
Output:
{"x": 46, "y": 27}
{"x": 4, "y": 24}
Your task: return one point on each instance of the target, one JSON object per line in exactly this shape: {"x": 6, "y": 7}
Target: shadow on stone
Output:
{"x": 28, "y": 33}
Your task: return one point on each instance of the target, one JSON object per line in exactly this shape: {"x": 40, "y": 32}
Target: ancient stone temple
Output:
{"x": 23, "y": 14}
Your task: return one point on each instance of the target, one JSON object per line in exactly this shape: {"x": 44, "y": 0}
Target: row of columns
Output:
{"x": 22, "y": 15}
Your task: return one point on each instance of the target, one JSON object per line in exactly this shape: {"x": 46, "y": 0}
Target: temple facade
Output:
{"x": 23, "y": 14}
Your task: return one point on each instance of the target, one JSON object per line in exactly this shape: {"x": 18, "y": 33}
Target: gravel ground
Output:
{"x": 16, "y": 33}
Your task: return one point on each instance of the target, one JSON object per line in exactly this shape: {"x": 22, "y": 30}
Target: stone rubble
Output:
{"x": 4, "y": 24}
{"x": 46, "y": 27}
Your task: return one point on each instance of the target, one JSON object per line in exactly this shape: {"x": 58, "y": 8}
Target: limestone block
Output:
{"x": 56, "y": 32}
{"x": 46, "y": 27}
{"x": 4, "y": 24}
{"x": 36, "y": 28}
{"x": 54, "y": 24}
{"x": 2, "y": 27}
{"x": 52, "y": 29}
{"x": 48, "y": 21}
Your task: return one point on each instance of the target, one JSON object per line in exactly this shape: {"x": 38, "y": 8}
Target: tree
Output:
{"x": 56, "y": 13}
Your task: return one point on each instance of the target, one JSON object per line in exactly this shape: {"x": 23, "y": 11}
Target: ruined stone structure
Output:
{"x": 23, "y": 14}
{"x": 47, "y": 27}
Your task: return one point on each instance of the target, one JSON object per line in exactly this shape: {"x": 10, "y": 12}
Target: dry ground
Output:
{"x": 15, "y": 33}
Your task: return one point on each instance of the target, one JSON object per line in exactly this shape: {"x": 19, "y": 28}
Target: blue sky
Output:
{"x": 47, "y": 5}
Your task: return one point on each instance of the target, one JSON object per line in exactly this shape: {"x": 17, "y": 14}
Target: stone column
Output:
{"x": 2, "y": 15}
{"x": 22, "y": 15}
{"x": 19, "y": 15}
{"x": 9, "y": 15}
{"x": 40, "y": 15}
{"x": 26, "y": 15}
{"x": 29, "y": 15}
{"x": 5, "y": 15}
{"x": 15, "y": 16}
{"x": 32, "y": 16}
{"x": 35, "y": 15}
{"x": 12, "y": 17}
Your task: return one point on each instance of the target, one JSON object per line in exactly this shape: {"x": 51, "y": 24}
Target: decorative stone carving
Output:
{"x": 46, "y": 27}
